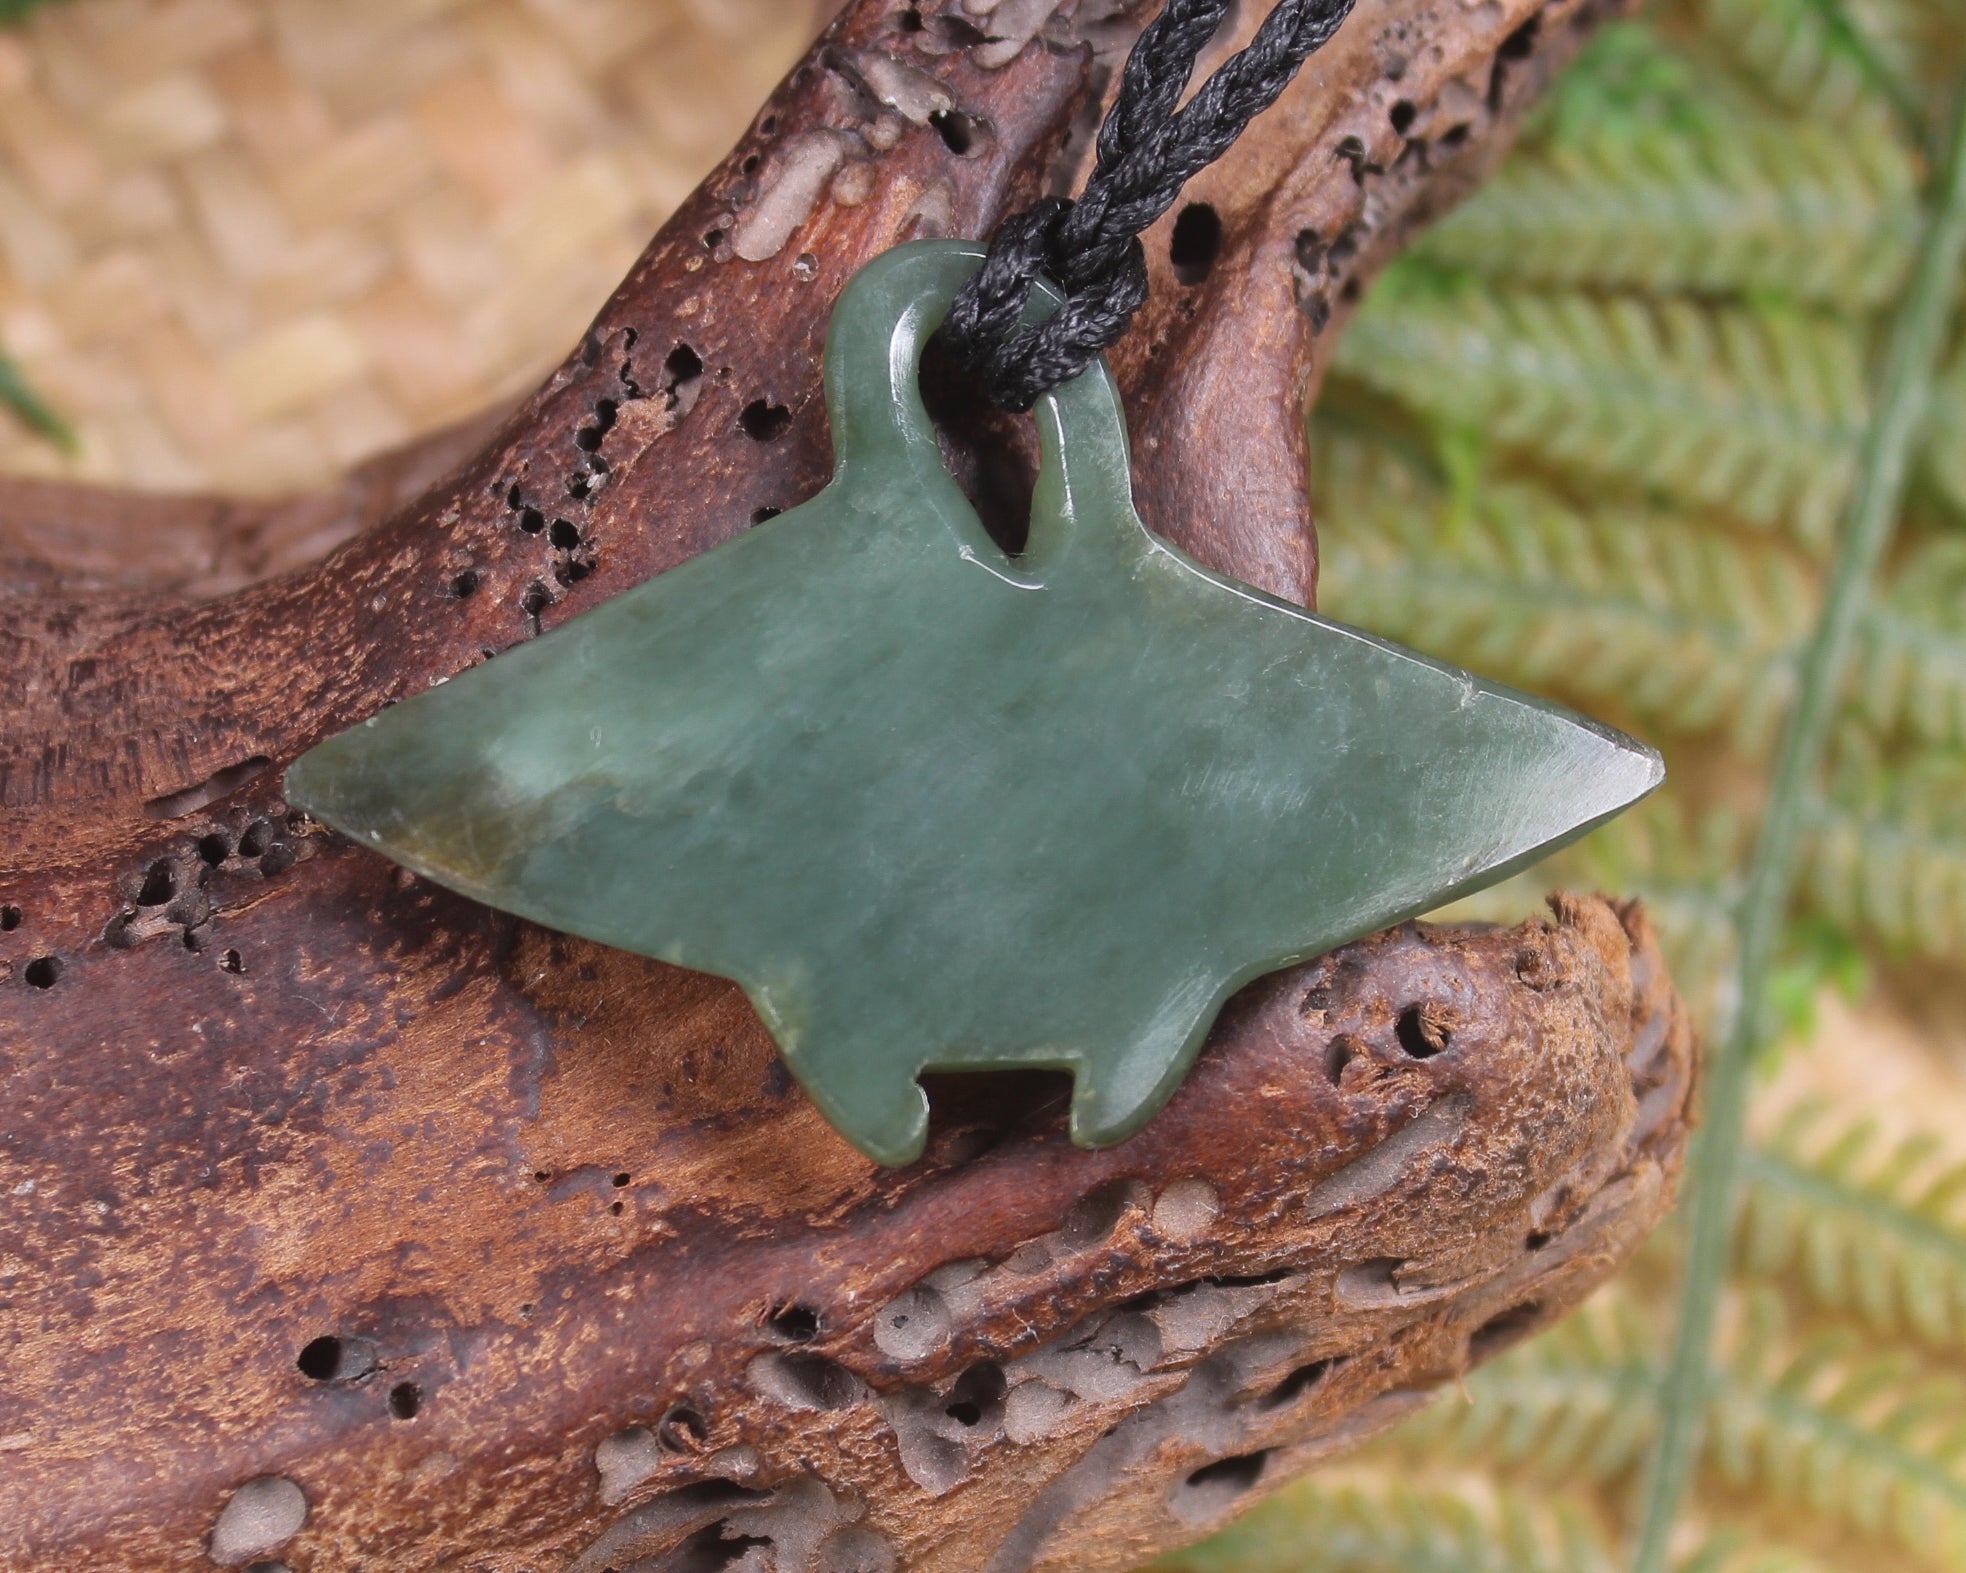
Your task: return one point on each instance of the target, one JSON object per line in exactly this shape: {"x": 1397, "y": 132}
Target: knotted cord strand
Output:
{"x": 1147, "y": 151}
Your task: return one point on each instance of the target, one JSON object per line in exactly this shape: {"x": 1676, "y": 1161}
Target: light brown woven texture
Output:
{"x": 246, "y": 242}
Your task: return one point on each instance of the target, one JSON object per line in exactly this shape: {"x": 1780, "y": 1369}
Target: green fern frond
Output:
{"x": 1373, "y": 1522}
{"x": 1628, "y": 82}
{"x": 1575, "y": 1402}
{"x": 1873, "y": 1447}
{"x": 1911, "y": 677}
{"x": 1888, "y": 857}
{"x": 1945, "y": 445}
{"x": 1804, "y": 55}
{"x": 1920, "y": 45}
{"x": 1864, "y": 1226}
{"x": 1684, "y": 626}
{"x": 1752, "y": 412}
{"x": 1761, "y": 1558}
{"x": 1387, "y": 1527}
{"x": 1616, "y": 608}
{"x": 1813, "y": 211}
{"x": 1726, "y": 1554}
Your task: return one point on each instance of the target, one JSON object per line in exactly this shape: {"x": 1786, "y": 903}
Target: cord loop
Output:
{"x": 1147, "y": 150}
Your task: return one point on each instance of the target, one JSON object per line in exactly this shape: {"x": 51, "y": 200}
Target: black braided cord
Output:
{"x": 1147, "y": 151}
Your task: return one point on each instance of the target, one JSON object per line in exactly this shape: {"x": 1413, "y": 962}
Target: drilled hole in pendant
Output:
{"x": 993, "y": 455}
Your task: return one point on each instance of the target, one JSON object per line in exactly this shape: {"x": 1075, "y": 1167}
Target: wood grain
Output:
{"x": 598, "y": 1289}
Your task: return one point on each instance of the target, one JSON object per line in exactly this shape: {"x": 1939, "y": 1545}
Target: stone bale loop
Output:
{"x": 440, "y": 1240}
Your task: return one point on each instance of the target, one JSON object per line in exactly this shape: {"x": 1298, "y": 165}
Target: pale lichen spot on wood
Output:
{"x": 913, "y": 1326}
{"x": 261, "y": 1516}
{"x": 1185, "y": 1209}
{"x": 810, "y": 1382}
{"x": 1012, "y": 24}
{"x": 1372, "y": 1172}
{"x": 884, "y": 132}
{"x": 932, "y": 214}
{"x": 912, "y": 93}
{"x": 854, "y": 184}
{"x": 791, "y": 191}
{"x": 625, "y": 1460}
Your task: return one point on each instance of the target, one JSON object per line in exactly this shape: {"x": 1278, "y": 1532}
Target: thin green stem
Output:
{"x": 1917, "y": 338}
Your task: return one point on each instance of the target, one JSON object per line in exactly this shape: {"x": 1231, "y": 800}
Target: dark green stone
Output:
{"x": 939, "y": 808}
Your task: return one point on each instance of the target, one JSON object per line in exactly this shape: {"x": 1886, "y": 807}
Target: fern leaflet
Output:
{"x": 1911, "y": 676}
{"x": 1806, "y": 56}
{"x": 1375, "y": 1527}
{"x": 1865, "y": 1227}
{"x": 1887, "y": 853}
{"x": 1874, "y": 1447}
{"x": 1752, "y": 412}
{"x": 1370, "y": 1523}
{"x": 1945, "y": 445}
{"x": 1620, "y": 608}
{"x": 1818, "y": 212}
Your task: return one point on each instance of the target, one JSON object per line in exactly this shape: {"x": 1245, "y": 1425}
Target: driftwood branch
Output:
{"x": 348, "y": 1224}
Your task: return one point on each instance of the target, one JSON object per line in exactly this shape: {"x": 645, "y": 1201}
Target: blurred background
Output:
{"x": 1593, "y": 436}
{"x": 244, "y": 243}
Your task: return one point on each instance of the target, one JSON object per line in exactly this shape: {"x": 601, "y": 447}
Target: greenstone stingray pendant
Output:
{"x": 940, "y": 808}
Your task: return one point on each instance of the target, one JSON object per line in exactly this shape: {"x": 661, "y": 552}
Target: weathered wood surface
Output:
{"x": 480, "y": 1247}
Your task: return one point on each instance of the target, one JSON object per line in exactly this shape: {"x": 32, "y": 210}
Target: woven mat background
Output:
{"x": 244, "y": 243}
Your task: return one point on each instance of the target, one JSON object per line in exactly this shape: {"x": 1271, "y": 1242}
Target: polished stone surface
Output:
{"x": 939, "y": 808}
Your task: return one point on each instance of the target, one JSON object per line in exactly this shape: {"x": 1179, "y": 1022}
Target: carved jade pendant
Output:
{"x": 940, "y": 808}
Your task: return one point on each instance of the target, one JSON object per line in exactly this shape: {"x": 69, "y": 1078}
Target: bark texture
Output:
{"x": 350, "y": 1225}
